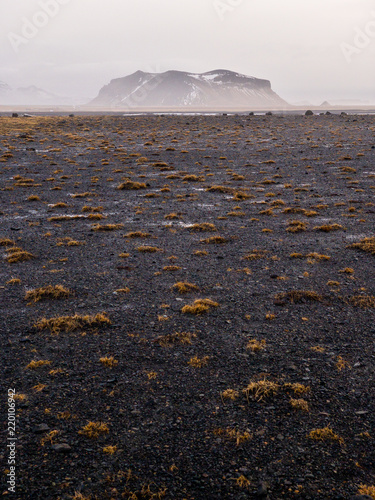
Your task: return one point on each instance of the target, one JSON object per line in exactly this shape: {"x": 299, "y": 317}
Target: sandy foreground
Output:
{"x": 187, "y": 306}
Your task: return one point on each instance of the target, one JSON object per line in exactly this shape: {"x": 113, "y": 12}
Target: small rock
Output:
{"x": 39, "y": 429}
{"x": 61, "y": 448}
{"x": 262, "y": 489}
{"x": 309, "y": 113}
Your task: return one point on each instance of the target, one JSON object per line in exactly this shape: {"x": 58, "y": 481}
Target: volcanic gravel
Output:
{"x": 288, "y": 197}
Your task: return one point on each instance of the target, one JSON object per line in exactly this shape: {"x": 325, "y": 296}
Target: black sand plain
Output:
{"x": 264, "y": 388}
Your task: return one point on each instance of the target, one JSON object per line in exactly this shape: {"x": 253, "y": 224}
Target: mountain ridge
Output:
{"x": 179, "y": 89}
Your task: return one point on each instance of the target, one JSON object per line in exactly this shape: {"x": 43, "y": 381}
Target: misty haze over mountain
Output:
{"x": 219, "y": 89}
{"x": 311, "y": 51}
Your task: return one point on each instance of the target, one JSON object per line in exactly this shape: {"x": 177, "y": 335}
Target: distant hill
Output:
{"x": 30, "y": 96}
{"x": 219, "y": 89}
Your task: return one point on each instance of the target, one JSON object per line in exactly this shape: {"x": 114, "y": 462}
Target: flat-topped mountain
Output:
{"x": 219, "y": 89}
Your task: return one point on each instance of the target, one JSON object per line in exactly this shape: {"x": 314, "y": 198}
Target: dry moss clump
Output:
{"x": 148, "y": 249}
{"x": 171, "y": 339}
{"x": 214, "y": 240}
{"x": 325, "y": 434}
{"x": 6, "y": 242}
{"x": 261, "y": 389}
{"x": 71, "y": 323}
{"x": 219, "y": 189}
{"x": 367, "y": 490}
{"x": 198, "y": 362}
{"x": 296, "y": 226}
{"x": 47, "y": 292}
{"x": 33, "y": 365}
{"x": 199, "y": 306}
{"x": 184, "y": 287}
{"x": 256, "y": 255}
{"x": 106, "y": 227}
{"x": 299, "y": 404}
{"x": 109, "y": 362}
{"x": 137, "y": 234}
{"x": 16, "y": 254}
{"x": 94, "y": 429}
{"x": 256, "y": 345}
{"x": 366, "y": 245}
{"x": 231, "y": 394}
{"x": 233, "y": 434}
{"x": 327, "y": 228}
{"x": 300, "y": 296}
{"x": 363, "y": 301}
{"x": 204, "y": 226}
{"x": 129, "y": 185}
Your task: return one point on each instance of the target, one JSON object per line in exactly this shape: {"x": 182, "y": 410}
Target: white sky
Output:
{"x": 297, "y": 44}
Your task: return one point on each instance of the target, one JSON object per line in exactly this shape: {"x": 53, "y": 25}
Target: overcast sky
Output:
{"x": 80, "y": 45}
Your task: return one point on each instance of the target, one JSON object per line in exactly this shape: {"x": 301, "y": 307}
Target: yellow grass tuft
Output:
{"x": 184, "y": 287}
{"x": 171, "y": 268}
{"x": 106, "y": 227}
{"x": 6, "y": 242}
{"x": 129, "y": 185}
{"x": 109, "y": 362}
{"x": 110, "y": 450}
{"x": 33, "y": 365}
{"x": 243, "y": 482}
{"x": 199, "y": 306}
{"x": 88, "y": 208}
{"x": 47, "y": 292}
{"x": 256, "y": 345}
{"x": 204, "y": 226}
{"x": 72, "y": 323}
{"x": 137, "y": 234}
{"x": 366, "y": 245}
{"x": 367, "y": 490}
{"x": 298, "y": 296}
{"x": 296, "y": 226}
{"x": 299, "y": 404}
{"x": 171, "y": 339}
{"x": 230, "y": 394}
{"x": 297, "y": 388}
{"x": 325, "y": 434}
{"x": 14, "y": 281}
{"x": 261, "y": 389}
{"x": 198, "y": 362}
{"x": 256, "y": 254}
{"x": 314, "y": 256}
{"x": 214, "y": 240}
{"x": 327, "y": 228}
{"x": 219, "y": 189}
{"x": 148, "y": 249}
{"x": 18, "y": 256}
{"x": 363, "y": 301}
{"x": 94, "y": 429}
{"x": 234, "y": 435}
{"x": 341, "y": 363}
